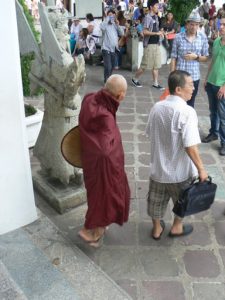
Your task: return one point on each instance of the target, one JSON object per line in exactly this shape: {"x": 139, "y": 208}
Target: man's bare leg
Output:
{"x": 155, "y": 75}
{"x": 157, "y": 228}
{"x": 177, "y": 226}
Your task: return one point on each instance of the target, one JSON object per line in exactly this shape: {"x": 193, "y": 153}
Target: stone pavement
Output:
{"x": 169, "y": 269}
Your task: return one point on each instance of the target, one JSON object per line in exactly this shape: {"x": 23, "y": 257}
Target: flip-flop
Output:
{"x": 187, "y": 229}
{"x": 163, "y": 225}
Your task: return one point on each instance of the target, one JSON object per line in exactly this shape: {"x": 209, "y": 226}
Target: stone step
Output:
{"x": 31, "y": 270}
{"x": 9, "y": 290}
{"x": 45, "y": 265}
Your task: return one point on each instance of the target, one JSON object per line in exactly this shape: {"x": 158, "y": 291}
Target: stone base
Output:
{"x": 60, "y": 197}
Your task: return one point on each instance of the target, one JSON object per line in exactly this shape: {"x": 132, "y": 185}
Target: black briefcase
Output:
{"x": 197, "y": 197}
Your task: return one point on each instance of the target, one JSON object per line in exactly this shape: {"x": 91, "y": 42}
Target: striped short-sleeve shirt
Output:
{"x": 172, "y": 126}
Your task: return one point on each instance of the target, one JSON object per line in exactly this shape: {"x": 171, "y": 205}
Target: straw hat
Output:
{"x": 71, "y": 148}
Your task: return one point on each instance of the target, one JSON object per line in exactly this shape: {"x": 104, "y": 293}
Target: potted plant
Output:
{"x": 33, "y": 116}
{"x": 33, "y": 123}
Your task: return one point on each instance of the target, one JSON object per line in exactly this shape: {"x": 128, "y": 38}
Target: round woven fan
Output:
{"x": 71, "y": 148}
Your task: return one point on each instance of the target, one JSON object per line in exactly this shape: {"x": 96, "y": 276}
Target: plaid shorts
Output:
{"x": 159, "y": 195}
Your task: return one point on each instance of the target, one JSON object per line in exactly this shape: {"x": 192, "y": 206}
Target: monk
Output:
{"x": 108, "y": 193}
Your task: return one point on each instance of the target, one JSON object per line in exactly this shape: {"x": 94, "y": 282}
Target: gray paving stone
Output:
{"x": 126, "y": 104}
{"x": 163, "y": 290}
{"x": 124, "y": 236}
{"x": 141, "y": 127}
{"x": 219, "y": 232}
{"x": 218, "y": 209}
{"x": 142, "y": 137}
{"x": 216, "y": 173}
{"x": 208, "y": 291}
{"x": 148, "y": 100}
{"x": 129, "y": 159}
{"x": 144, "y": 147}
{"x": 126, "y": 110}
{"x": 130, "y": 286}
{"x": 122, "y": 119}
{"x": 159, "y": 262}
{"x": 132, "y": 185}
{"x": 222, "y": 254}
{"x": 144, "y": 159}
{"x": 199, "y": 237}
{"x": 141, "y": 108}
{"x": 143, "y": 119}
{"x": 128, "y": 147}
{"x": 201, "y": 263}
{"x": 208, "y": 159}
{"x": 142, "y": 189}
{"x": 126, "y": 126}
{"x": 120, "y": 264}
{"x": 130, "y": 171}
{"x": 127, "y": 136}
{"x": 143, "y": 173}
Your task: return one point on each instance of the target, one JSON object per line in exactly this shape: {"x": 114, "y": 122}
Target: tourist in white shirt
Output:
{"x": 123, "y": 5}
{"x": 76, "y": 28}
{"x": 173, "y": 131}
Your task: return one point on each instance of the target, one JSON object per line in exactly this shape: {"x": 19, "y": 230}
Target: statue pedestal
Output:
{"x": 130, "y": 60}
{"x": 59, "y": 196}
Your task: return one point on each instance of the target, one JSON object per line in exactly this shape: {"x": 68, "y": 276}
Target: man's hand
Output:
{"x": 203, "y": 175}
{"x": 160, "y": 33}
{"x": 221, "y": 92}
{"x": 190, "y": 56}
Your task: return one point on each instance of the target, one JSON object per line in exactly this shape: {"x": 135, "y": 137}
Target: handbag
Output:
{"x": 197, "y": 197}
{"x": 171, "y": 36}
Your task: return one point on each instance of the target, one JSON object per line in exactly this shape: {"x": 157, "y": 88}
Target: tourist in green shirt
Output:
{"x": 215, "y": 88}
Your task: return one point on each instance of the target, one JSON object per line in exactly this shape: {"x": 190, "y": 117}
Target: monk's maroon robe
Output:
{"x": 108, "y": 192}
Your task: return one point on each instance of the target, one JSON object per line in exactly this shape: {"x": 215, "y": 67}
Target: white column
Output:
{"x": 17, "y": 207}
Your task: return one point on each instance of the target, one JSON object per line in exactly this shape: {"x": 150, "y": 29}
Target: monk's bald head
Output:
{"x": 117, "y": 86}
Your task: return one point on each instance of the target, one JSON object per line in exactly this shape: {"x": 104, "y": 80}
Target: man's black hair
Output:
{"x": 176, "y": 79}
{"x": 111, "y": 11}
{"x": 90, "y": 17}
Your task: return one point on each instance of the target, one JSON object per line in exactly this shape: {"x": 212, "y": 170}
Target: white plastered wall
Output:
{"x": 17, "y": 207}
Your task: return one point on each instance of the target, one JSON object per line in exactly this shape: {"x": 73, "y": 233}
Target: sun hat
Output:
{"x": 194, "y": 17}
{"x": 71, "y": 147}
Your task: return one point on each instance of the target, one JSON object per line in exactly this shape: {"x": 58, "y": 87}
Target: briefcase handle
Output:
{"x": 197, "y": 179}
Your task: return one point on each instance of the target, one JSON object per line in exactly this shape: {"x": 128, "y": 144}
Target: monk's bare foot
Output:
{"x": 87, "y": 235}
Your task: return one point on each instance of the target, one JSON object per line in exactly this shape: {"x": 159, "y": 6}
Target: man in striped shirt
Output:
{"x": 173, "y": 131}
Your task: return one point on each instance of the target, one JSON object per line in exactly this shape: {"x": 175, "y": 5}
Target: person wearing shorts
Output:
{"x": 152, "y": 56}
{"x": 173, "y": 131}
